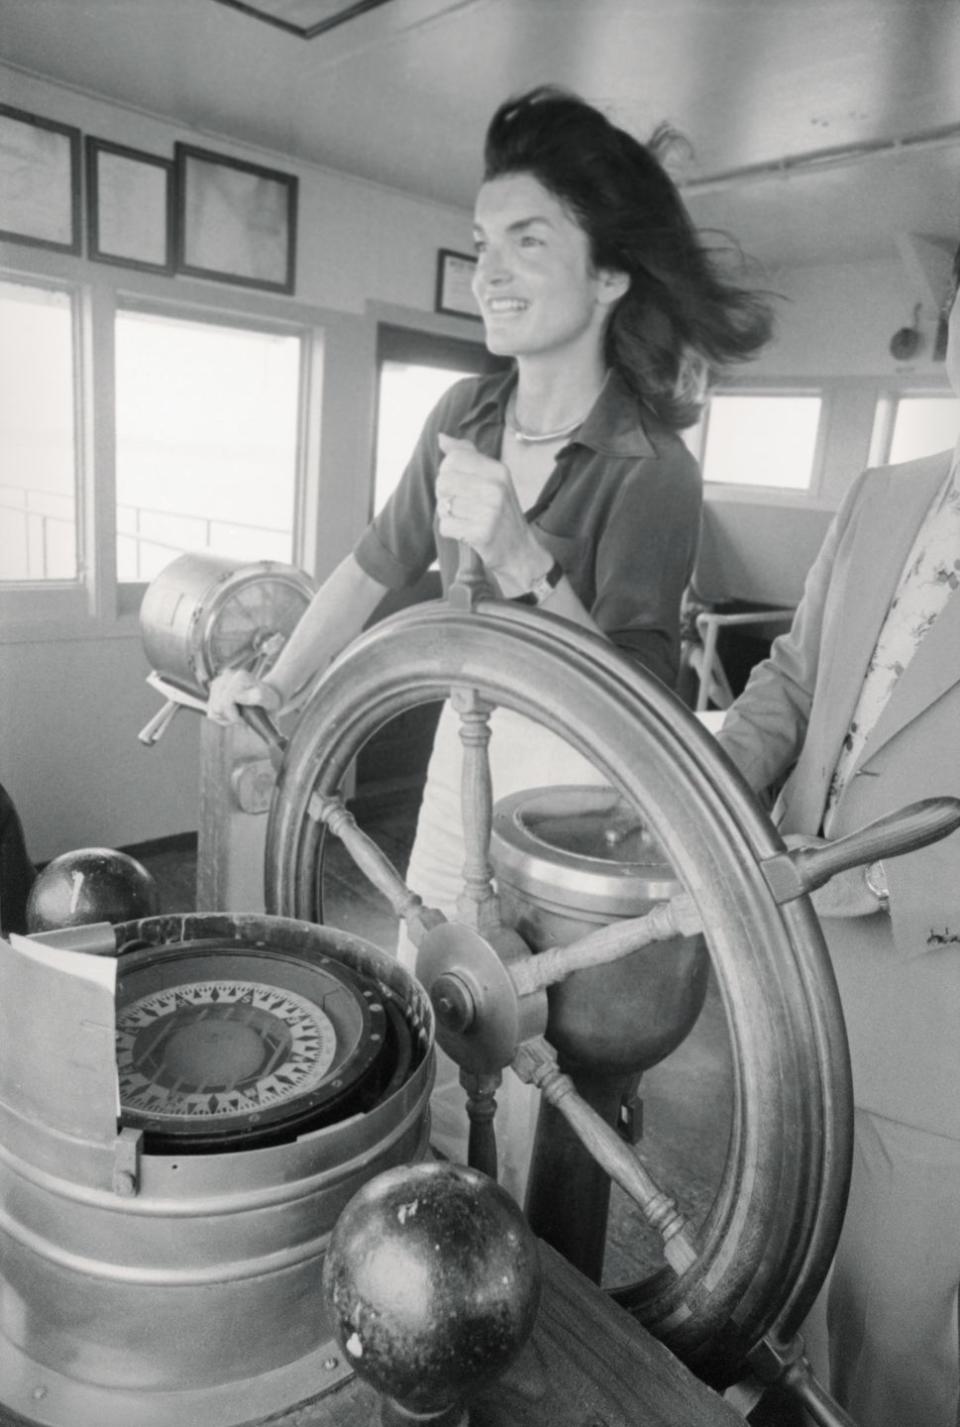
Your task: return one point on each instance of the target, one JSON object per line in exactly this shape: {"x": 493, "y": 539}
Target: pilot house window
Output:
{"x": 761, "y": 440}
{"x": 923, "y": 425}
{"x": 207, "y": 440}
{"x": 38, "y": 469}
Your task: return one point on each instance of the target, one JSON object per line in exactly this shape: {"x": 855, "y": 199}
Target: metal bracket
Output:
{"x": 252, "y": 783}
{"x": 630, "y": 1119}
{"x": 126, "y": 1162}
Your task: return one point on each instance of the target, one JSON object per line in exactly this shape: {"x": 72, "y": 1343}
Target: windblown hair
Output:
{"x": 681, "y": 319}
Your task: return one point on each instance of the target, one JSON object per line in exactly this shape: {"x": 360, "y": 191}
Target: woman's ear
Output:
{"x": 611, "y": 285}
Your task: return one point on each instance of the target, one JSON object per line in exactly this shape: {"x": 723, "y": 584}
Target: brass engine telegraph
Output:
{"x": 206, "y": 613}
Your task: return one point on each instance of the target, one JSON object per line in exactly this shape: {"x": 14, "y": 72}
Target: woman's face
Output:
{"x": 536, "y": 285}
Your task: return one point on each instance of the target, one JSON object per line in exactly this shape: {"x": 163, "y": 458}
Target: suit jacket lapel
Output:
{"x": 864, "y": 584}
{"x": 931, "y": 671}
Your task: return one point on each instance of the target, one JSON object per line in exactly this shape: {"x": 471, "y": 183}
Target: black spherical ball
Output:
{"x": 433, "y": 1277}
{"x": 93, "y": 884}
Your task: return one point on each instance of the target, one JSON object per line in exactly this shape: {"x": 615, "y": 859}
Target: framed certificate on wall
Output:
{"x": 454, "y": 293}
{"x": 235, "y": 221}
{"x": 39, "y": 181}
{"x": 129, "y": 207}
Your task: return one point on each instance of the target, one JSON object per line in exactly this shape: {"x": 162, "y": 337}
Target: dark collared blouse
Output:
{"x": 620, "y": 511}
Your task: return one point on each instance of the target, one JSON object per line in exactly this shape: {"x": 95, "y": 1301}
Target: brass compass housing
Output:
{"x": 223, "y": 1046}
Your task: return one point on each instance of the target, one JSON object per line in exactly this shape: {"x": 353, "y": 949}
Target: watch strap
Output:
{"x": 543, "y": 587}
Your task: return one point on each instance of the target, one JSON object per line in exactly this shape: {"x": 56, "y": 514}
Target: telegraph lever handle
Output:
{"x": 260, "y": 721}
{"x": 158, "y": 725}
{"x": 790, "y": 874}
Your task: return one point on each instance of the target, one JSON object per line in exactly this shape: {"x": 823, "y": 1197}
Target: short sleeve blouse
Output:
{"x": 620, "y": 511}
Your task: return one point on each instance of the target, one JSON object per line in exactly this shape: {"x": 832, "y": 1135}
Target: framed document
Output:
{"x": 235, "y": 221}
{"x": 129, "y": 207}
{"x": 454, "y": 295}
{"x": 39, "y": 181}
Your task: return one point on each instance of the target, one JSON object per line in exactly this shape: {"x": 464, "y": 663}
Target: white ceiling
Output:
{"x": 401, "y": 94}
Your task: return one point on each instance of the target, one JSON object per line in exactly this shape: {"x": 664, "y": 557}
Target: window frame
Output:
{"x": 889, "y": 396}
{"x": 419, "y": 346}
{"x": 97, "y": 604}
{"x": 769, "y": 495}
{"x": 130, "y": 592}
{"x": 61, "y": 598}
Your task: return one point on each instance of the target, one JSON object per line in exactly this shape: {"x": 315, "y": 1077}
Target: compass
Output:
{"x": 222, "y": 1046}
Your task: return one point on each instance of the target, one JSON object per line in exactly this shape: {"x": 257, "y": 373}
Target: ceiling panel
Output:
{"x": 401, "y": 93}
{"x": 306, "y": 18}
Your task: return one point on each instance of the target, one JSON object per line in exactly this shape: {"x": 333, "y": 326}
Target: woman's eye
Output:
{"x": 529, "y": 241}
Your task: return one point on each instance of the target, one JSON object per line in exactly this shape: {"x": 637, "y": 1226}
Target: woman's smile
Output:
{"x": 504, "y": 306}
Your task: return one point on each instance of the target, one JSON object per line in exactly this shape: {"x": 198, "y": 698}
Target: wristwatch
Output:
{"x": 875, "y": 876}
{"x": 543, "y": 587}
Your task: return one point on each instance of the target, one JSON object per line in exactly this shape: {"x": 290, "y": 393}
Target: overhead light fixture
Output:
{"x": 306, "y": 18}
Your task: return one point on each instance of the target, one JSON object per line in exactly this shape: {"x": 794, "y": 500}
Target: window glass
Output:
{"x": 761, "y": 440}
{"x": 38, "y": 464}
{"x": 207, "y": 421}
{"x": 408, "y": 392}
{"x": 923, "y": 425}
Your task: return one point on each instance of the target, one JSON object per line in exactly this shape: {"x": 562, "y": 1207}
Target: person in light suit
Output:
{"x": 858, "y": 708}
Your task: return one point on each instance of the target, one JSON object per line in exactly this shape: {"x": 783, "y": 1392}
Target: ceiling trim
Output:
{"x": 349, "y": 11}
{"x": 816, "y": 160}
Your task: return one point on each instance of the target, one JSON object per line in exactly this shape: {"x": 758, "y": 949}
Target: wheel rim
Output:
{"x": 768, "y": 1239}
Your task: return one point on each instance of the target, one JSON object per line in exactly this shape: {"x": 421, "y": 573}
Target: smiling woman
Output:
{"x": 566, "y": 476}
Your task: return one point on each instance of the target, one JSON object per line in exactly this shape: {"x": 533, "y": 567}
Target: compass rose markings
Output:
{"x": 299, "y": 1042}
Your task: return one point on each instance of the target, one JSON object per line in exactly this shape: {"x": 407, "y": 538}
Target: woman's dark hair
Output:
{"x": 681, "y": 317}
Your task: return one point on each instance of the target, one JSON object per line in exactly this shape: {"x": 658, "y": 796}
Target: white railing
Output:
{"x": 31, "y": 551}
{"x": 25, "y": 547}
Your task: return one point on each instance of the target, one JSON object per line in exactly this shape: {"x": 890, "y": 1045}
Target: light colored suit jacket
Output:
{"x": 899, "y": 975}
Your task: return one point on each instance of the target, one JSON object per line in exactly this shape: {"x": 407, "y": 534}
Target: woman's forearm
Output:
{"x": 335, "y": 616}
{"x": 565, "y": 602}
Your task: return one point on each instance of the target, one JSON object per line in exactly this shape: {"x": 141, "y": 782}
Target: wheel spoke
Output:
{"x": 678, "y": 917}
{"x": 477, "y": 906}
{"x": 481, "y": 1111}
{"x": 375, "y": 865}
{"x": 536, "y": 1063}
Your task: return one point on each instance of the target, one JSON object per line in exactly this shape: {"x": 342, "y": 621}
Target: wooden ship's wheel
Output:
{"x": 219, "y": 1122}
{"x": 732, "y": 1295}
